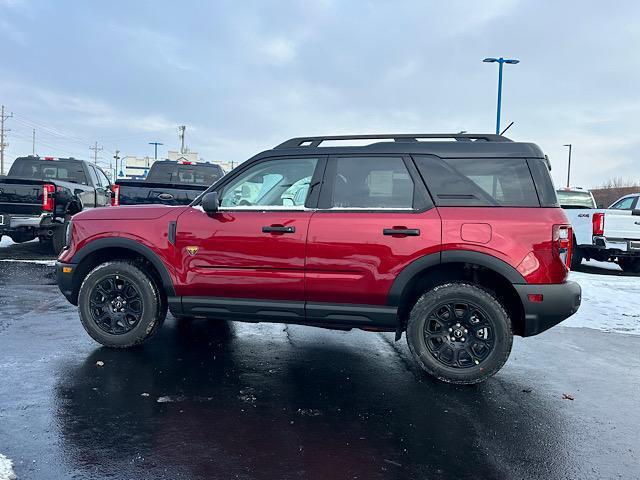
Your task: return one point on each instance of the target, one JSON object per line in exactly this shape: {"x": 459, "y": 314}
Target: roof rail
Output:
{"x": 402, "y": 137}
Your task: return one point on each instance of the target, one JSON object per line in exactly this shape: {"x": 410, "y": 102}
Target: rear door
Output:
{"x": 254, "y": 247}
{"x": 374, "y": 217}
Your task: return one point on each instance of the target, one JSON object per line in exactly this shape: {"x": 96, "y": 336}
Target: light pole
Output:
{"x": 500, "y": 61}
{"x": 155, "y": 149}
{"x": 569, "y": 166}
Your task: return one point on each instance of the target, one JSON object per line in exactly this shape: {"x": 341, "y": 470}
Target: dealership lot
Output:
{"x": 228, "y": 400}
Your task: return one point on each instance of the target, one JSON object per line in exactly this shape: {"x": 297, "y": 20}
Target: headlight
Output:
{"x": 67, "y": 234}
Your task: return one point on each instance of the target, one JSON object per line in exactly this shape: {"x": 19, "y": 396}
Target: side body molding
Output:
{"x": 128, "y": 244}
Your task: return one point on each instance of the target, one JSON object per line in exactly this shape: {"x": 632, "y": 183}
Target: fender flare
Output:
{"x": 403, "y": 279}
{"x": 128, "y": 244}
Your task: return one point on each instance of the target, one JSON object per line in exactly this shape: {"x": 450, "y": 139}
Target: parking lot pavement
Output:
{"x": 219, "y": 400}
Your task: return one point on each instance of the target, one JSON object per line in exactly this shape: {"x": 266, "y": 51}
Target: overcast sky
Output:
{"x": 244, "y": 76}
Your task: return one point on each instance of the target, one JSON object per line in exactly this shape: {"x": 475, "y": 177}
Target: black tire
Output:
{"x": 58, "y": 239}
{"x": 576, "y": 257}
{"x": 128, "y": 325}
{"x": 630, "y": 265}
{"x": 469, "y": 309}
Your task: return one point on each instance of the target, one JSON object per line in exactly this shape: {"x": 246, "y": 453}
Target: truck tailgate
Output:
{"x": 20, "y": 196}
{"x": 142, "y": 192}
{"x": 621, "y": 224}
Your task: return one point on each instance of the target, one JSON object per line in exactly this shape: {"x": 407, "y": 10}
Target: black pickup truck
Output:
{"x": 169, "y": 183}
{"x": 40, "y": 194}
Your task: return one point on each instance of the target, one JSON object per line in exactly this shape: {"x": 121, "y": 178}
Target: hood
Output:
{"x": 133, "y": 212}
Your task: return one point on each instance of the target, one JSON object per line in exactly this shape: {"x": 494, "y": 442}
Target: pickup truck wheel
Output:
{"x": 120, "y": 305}
{"x": 576, "y": 258}
{"x": 58, "y": 239}
{"x": 631, "y": 265}
{"x": 459, "y": 333}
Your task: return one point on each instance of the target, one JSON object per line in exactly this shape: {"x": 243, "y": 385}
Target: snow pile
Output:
{"x": 6, "y": 241}
{"x": 6, "y": 469}
{"x": 610, "y": 303}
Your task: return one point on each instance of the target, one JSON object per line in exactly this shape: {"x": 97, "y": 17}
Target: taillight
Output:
{"x": 47, "y": 197}
{"x": 598, "y": 223}
{"x": 115, "y": 195}
{"x": 562, "y": 237}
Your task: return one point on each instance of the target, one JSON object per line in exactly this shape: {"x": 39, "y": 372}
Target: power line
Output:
{"x": 95, "y": 152}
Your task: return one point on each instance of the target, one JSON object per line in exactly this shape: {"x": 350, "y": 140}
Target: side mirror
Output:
{"x": 210, "y": 203}
{"x": 635, "y": 211}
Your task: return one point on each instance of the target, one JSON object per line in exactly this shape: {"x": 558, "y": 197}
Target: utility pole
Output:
{"x": 569, "y": 166}
{"x": 95, "y": 149}
{"x": 155, "y": 149}
{"x": 3, "y": 131}
{"x": 181, "y": 130}
{"x": 117, "y": 157}
{"x": 33, "y": 143}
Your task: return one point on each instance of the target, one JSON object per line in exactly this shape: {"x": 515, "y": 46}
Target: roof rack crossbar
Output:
{"x": 314, "y": 142}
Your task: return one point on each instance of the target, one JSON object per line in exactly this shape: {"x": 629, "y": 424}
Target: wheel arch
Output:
{"x": 102, "y": 250}
{"x": 478, "y": 268}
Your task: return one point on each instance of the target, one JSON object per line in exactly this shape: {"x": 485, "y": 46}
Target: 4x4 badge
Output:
{"x": 192, "y": 250}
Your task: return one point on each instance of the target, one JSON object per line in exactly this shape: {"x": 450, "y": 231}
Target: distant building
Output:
{"x": 183, "y": 157}
{"x": 134, "y": 168}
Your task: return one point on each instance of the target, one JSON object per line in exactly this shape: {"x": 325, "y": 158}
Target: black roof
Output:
{"x": 445, "y": 145}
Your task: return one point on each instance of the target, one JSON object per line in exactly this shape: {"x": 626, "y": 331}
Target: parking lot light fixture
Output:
{"x": 500, "y": 61}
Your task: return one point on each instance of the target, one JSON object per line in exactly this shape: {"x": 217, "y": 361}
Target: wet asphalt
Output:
{"x": 209, "y": 399}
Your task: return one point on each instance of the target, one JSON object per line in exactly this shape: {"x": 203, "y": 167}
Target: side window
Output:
{"x": 624, "y": 204}
{"x": 102, "y": 178}
{"x": 92, "y": 175}
{"x": 479, "y": 181}
{"x": 371, "y": 183}
{"x": 274, "y": 183}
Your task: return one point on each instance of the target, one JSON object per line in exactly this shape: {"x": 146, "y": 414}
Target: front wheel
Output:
{"x": 120, "y": 305}
{"x": 459, "y": 333}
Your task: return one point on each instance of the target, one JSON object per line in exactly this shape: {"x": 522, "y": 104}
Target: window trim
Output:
{"x": 312, "y": 197}
{"x": 421, "y": 196}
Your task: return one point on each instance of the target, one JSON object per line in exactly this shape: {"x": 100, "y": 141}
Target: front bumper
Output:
{"x": 559, "y": 302}
{"x": 64, "y": 278}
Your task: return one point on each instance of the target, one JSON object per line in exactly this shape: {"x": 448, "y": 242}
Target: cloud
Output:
{"x": 278, "y": 51}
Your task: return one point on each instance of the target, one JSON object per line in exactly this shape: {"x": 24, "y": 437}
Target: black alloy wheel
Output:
{"x": 459, "y": 333}
{"x": 116, "y": 304}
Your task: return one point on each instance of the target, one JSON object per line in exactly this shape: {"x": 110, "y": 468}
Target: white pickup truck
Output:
{"x": 606, "y": 235}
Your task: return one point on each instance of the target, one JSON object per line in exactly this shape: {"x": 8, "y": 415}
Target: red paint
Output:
{"x": 338, "y": 257}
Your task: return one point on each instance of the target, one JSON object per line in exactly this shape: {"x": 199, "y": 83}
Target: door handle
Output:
{"x": 278, "y": 229}
{"x": 407, "y": 232}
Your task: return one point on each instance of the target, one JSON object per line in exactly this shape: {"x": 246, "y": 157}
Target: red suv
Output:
{"x": 455, "y": 239}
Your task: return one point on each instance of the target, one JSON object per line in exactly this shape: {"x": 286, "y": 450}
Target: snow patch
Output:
{"x": 49, "y": 263}
{"x": 6, "y": 469}
{"x": 610, "y": 303}
{"x": 6, "y": 241}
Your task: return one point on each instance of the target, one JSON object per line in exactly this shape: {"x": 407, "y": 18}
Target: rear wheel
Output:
{"x": 59, "y": 234}
{"x": 631, "y": 265}
{"x": 120, "y": 305}
{"x": 459, "y": 333}
{"x": 576, "y": 257}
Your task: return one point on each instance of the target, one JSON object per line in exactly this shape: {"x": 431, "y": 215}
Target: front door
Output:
{"x": 254, "y": 246}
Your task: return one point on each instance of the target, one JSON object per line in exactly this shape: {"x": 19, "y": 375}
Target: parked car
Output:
{"x": 39, "y": 196}
{"x": 169, "y": 183}
{"x": 606, "y": 235}
{"x": 457, "y": 241}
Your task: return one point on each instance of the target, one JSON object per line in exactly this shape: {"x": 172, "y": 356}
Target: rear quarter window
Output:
{"x": 479, "y": 182}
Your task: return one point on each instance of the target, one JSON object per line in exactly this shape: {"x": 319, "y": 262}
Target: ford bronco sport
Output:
{"x": 455, "y": 239}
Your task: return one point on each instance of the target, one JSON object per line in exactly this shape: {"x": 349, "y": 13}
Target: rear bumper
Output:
{"x": 64, "y": 278}
{"x": 559, "y": 302}
{"x": 618, "y": 246}
{"x": 14, "y": 222}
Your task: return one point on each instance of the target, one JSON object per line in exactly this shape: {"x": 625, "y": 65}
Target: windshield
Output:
{"x": 186, "y": 174}
{"x": 571, "y": 199}
{"x": 68, "y": 171}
